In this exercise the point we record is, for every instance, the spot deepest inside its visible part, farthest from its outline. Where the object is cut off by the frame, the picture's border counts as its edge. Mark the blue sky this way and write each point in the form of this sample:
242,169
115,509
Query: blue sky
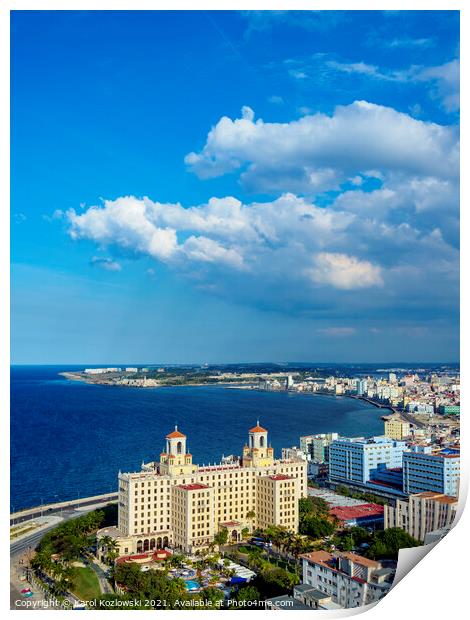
223,186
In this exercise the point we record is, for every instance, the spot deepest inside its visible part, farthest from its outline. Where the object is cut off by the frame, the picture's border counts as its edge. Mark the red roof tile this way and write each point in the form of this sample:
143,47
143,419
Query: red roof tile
175,434
346,513
193,487
258,429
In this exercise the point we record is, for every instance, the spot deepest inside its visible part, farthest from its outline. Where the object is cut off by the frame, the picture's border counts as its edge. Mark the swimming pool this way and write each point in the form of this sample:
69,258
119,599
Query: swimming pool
192,585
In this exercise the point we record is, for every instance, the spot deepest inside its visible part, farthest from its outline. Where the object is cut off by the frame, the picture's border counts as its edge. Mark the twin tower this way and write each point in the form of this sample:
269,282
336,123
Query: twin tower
177,461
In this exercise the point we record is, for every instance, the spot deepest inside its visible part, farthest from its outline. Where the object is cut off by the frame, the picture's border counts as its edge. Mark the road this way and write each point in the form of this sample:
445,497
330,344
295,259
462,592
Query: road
409,418
59,509
20,546
19,550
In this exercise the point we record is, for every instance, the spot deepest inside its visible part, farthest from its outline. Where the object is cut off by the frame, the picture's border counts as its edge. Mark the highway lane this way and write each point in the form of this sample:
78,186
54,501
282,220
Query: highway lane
20,546
42,511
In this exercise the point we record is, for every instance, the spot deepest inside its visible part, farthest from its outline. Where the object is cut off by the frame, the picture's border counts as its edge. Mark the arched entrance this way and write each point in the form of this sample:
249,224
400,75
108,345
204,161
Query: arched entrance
235,535
152,543
139,546
146,544
165,541
159,542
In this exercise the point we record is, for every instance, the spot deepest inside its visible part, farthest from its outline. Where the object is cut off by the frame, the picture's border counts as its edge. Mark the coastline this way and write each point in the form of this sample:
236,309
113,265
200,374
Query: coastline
73,376
241,385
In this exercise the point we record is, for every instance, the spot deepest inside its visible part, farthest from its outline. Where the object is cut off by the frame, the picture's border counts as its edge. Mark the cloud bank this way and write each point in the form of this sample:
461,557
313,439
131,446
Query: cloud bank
287,254
320,152
384,245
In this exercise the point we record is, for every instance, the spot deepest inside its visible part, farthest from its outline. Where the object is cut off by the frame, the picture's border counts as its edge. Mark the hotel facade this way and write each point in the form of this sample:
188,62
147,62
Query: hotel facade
176,503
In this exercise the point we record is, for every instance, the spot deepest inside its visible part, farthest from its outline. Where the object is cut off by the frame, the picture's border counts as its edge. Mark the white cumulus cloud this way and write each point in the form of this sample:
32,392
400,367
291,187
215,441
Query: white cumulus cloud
318,152
344,272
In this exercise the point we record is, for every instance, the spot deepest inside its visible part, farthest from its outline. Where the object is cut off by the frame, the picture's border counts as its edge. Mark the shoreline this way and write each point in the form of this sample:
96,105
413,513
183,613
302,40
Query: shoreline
248,385
75,377
231,385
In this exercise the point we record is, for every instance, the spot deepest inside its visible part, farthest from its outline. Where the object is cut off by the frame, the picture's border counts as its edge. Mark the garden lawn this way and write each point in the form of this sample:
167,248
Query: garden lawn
85,584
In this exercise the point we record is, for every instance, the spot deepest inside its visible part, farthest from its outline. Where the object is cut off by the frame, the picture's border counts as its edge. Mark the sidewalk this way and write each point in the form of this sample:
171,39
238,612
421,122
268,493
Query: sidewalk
100,570
39,600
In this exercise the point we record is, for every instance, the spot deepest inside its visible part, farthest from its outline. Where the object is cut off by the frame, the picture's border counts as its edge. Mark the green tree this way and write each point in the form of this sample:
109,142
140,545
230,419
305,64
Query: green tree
221,537
248,593
387,543
251,516
316,527
213,597
342,489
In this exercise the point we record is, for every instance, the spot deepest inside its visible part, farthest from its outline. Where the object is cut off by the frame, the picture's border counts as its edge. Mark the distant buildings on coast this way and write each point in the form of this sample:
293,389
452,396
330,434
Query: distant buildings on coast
429,394
112,370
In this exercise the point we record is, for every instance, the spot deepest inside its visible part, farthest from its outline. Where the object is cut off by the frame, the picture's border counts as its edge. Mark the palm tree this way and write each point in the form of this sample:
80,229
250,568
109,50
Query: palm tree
111,548
299,545
251,516
176,560
112,551
105,541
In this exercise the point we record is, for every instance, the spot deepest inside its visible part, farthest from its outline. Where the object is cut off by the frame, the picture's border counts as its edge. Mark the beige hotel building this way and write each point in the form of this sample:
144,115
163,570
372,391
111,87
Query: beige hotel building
175,503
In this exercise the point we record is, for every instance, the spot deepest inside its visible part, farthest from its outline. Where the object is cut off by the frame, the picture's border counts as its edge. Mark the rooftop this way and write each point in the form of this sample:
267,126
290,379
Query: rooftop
346,513
257,429
156,555
175,434
322,557
359,559
438,497
328,560
193,487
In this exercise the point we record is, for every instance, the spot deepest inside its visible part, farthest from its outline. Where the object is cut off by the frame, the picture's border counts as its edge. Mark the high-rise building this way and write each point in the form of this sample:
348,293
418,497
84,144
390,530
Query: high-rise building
431,471
421,513
176,503
396,428
317,446
362,386
355,460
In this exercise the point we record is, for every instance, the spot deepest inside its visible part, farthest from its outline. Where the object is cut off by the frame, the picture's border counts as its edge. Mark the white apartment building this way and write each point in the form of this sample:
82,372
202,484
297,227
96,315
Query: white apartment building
354,459
351,580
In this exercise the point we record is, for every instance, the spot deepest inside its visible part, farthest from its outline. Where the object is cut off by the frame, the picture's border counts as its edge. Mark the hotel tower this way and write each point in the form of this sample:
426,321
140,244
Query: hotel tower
175,503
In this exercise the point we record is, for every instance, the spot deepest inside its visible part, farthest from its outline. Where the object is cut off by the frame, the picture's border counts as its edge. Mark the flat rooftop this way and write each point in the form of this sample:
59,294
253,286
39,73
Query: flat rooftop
193,487
334,499
346,513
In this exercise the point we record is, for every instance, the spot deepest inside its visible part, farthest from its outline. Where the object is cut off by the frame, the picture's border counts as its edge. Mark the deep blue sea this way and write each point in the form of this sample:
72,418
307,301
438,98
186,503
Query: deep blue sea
70,439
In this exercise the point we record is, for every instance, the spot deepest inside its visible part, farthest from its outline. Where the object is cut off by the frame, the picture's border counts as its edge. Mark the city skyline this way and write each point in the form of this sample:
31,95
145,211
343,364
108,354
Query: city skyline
302,180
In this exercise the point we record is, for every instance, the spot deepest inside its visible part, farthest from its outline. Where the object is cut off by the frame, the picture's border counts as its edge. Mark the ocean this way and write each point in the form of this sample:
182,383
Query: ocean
69,439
